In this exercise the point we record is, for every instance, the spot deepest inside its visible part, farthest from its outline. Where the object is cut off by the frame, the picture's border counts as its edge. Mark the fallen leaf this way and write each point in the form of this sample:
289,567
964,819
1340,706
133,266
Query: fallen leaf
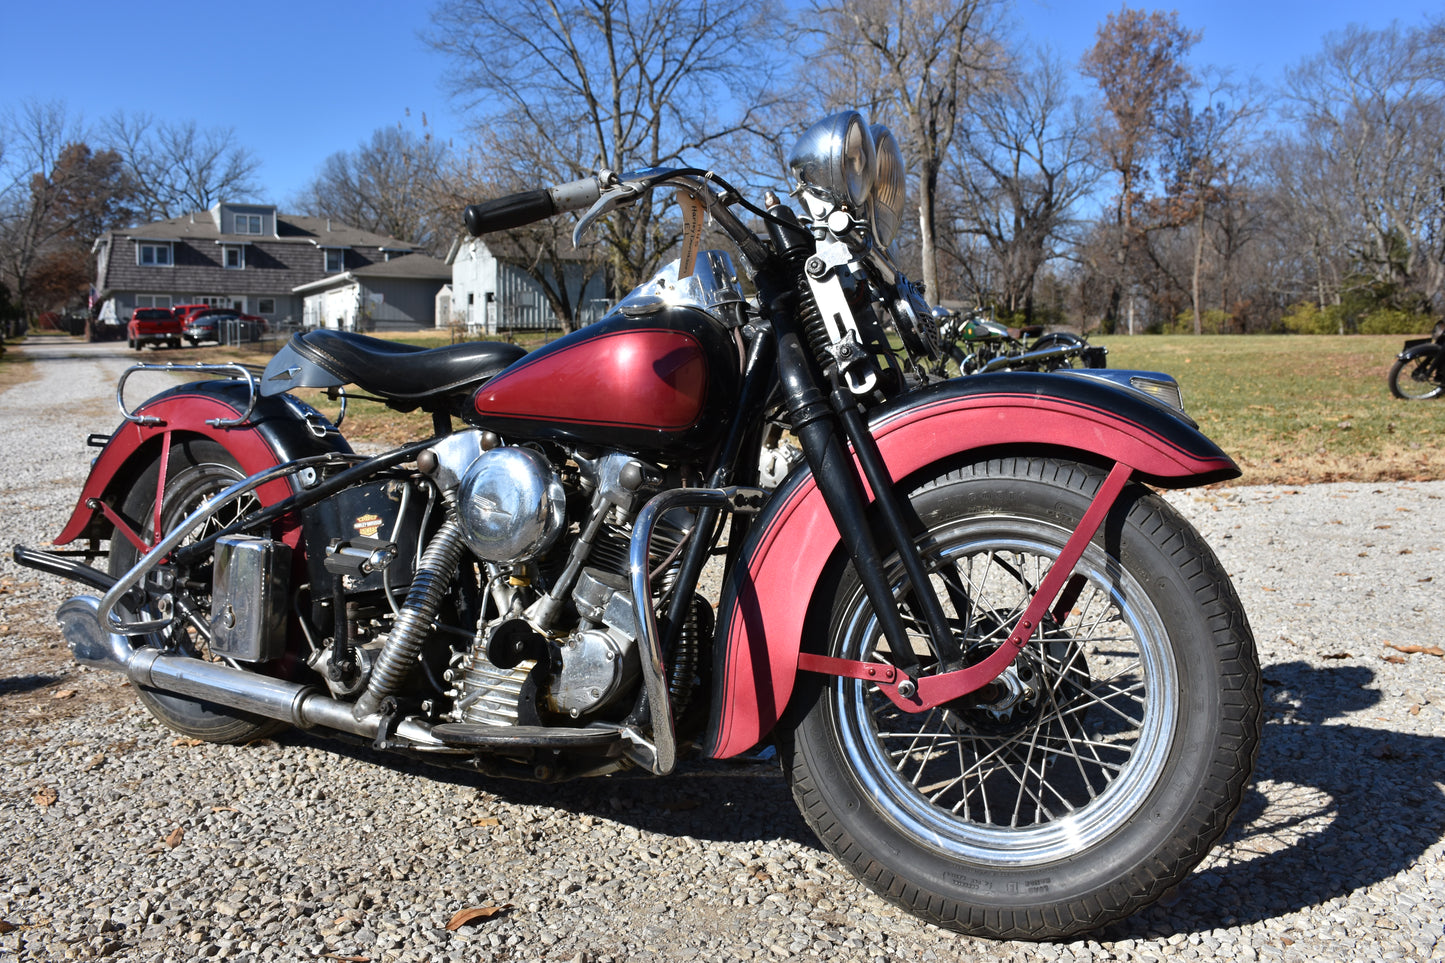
63,694
224,809
95,762
1396,659
1434,650
174,839
46,796
473,913
1266,588
1384,751
1414,710
186,742
7,927
487,821
1338,655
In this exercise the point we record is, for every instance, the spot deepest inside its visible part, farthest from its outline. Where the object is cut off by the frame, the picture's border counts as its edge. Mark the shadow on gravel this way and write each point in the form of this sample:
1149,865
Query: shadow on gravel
707,800
1334,807
16,684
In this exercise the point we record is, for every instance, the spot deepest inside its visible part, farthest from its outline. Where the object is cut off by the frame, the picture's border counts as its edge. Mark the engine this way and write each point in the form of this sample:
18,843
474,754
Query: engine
560,640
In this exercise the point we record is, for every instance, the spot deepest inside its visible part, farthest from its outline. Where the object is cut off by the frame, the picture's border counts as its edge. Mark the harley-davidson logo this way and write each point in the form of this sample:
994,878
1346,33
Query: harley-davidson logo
368,525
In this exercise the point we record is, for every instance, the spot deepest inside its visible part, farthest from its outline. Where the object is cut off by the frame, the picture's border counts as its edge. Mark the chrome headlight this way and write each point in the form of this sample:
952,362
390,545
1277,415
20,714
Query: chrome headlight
888,186
835,156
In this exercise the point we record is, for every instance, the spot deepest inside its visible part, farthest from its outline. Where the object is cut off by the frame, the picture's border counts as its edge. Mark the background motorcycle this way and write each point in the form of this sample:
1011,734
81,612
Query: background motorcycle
1010,688
1419,370
977,343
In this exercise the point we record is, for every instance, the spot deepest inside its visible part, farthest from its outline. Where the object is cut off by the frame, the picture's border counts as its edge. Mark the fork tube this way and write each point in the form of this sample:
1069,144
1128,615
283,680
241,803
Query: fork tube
896,525
816,426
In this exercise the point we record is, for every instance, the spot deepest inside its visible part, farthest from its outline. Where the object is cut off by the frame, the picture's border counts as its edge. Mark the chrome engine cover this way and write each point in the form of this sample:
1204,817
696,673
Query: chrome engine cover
511,505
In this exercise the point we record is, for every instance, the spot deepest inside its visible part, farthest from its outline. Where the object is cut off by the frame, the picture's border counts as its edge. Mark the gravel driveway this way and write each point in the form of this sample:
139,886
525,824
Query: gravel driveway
122,841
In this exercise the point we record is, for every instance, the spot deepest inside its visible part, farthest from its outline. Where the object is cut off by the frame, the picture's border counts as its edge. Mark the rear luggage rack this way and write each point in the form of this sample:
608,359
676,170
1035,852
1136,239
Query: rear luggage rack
233,370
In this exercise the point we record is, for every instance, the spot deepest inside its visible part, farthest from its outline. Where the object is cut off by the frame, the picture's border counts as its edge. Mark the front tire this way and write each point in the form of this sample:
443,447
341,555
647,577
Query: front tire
197,471
1095,773
1415,377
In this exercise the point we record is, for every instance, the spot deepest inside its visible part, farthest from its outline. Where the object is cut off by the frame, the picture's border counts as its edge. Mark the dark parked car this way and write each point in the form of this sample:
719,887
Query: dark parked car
222,325
152,326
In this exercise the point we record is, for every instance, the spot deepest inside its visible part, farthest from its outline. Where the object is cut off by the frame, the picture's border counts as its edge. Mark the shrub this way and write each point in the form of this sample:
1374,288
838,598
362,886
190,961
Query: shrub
1387,321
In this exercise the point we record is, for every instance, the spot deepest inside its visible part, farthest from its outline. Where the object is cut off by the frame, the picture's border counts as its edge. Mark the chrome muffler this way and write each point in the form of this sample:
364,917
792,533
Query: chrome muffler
303,706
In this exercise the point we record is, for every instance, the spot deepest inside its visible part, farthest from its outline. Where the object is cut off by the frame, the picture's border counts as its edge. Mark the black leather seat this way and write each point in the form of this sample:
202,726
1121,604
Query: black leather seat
412,377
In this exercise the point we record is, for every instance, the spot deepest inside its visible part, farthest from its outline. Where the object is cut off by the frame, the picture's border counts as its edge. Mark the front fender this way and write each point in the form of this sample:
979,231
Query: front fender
768,594
1415,349
277,432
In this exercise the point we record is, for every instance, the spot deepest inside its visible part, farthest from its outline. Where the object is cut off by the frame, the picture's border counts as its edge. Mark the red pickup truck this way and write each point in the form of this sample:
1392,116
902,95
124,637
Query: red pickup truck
152,326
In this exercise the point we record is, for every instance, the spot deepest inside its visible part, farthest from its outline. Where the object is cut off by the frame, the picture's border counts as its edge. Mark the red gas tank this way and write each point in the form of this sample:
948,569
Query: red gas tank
663,384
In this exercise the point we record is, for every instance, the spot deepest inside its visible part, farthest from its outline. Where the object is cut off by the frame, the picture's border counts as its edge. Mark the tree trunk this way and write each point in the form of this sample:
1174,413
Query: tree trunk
1198,261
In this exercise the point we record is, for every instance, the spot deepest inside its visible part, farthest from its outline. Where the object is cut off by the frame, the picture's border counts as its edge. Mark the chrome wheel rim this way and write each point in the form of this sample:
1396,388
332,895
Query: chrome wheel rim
1064,751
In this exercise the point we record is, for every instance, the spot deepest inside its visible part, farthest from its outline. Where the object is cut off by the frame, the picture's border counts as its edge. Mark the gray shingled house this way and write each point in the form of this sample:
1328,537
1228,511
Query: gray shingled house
398,292
243,256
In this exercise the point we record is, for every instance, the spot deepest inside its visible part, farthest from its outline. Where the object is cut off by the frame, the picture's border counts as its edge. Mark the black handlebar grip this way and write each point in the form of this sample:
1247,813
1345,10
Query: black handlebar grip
514,210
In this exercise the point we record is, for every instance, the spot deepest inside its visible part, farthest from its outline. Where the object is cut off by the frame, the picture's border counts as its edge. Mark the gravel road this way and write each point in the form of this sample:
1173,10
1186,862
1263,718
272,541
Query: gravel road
122,841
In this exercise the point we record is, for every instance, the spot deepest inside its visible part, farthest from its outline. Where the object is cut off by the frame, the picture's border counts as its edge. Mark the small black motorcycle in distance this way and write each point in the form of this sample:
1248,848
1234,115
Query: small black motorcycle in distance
1011,689
1419,370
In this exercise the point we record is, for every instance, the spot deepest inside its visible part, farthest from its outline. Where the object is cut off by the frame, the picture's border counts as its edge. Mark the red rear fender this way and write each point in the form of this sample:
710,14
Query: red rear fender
276,432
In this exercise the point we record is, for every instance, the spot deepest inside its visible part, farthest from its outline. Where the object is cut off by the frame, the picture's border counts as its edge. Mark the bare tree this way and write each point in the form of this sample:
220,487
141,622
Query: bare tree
1371,107
1201,144
914,64
1017,173
58,195
178,167
388,185
1138,64
560,88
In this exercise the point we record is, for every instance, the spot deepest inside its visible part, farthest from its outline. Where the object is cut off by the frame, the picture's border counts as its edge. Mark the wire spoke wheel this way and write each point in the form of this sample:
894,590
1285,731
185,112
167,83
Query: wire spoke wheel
1087,778
1059,751
1417,378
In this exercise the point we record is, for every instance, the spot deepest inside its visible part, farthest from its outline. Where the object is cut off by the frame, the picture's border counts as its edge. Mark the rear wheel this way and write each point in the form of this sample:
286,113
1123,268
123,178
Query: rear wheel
1095,772
198,470
1416,377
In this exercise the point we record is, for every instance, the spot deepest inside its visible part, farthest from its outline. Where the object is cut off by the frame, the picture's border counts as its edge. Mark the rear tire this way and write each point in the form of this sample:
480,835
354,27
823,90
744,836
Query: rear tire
1104,763
198,470
1413,378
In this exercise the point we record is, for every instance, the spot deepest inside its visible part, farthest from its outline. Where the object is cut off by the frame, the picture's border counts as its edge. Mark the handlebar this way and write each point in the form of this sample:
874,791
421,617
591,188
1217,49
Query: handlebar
527,207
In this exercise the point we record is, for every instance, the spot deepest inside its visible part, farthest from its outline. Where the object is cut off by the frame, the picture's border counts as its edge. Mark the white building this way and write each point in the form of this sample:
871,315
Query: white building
490,291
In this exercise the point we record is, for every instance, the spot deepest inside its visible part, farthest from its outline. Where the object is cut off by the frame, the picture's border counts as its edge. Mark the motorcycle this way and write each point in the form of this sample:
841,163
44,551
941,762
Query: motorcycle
1419,370
1009,687
977,343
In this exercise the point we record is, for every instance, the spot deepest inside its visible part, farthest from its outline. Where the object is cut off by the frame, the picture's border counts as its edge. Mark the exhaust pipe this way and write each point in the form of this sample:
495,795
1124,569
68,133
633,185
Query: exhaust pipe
302,706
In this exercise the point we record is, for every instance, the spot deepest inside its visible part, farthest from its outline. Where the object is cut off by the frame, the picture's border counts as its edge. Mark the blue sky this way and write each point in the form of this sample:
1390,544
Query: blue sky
301,80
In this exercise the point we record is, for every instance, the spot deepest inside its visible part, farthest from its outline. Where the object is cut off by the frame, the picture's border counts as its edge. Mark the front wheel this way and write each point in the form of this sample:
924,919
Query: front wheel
1416,375
1088,778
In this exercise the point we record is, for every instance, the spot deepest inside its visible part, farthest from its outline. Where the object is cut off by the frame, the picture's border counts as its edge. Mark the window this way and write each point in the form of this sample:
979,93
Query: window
335,260
248,223
153,300
154,255
233,256
265,305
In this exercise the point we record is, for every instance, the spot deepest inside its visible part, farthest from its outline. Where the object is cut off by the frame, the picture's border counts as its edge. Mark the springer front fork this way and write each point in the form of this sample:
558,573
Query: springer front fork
838,445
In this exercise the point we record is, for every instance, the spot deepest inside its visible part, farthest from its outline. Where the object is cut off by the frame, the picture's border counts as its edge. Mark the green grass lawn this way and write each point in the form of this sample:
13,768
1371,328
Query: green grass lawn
1298,408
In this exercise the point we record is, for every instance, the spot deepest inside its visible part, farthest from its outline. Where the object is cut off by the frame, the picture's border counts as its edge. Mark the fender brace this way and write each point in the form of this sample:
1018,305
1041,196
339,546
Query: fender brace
919,695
